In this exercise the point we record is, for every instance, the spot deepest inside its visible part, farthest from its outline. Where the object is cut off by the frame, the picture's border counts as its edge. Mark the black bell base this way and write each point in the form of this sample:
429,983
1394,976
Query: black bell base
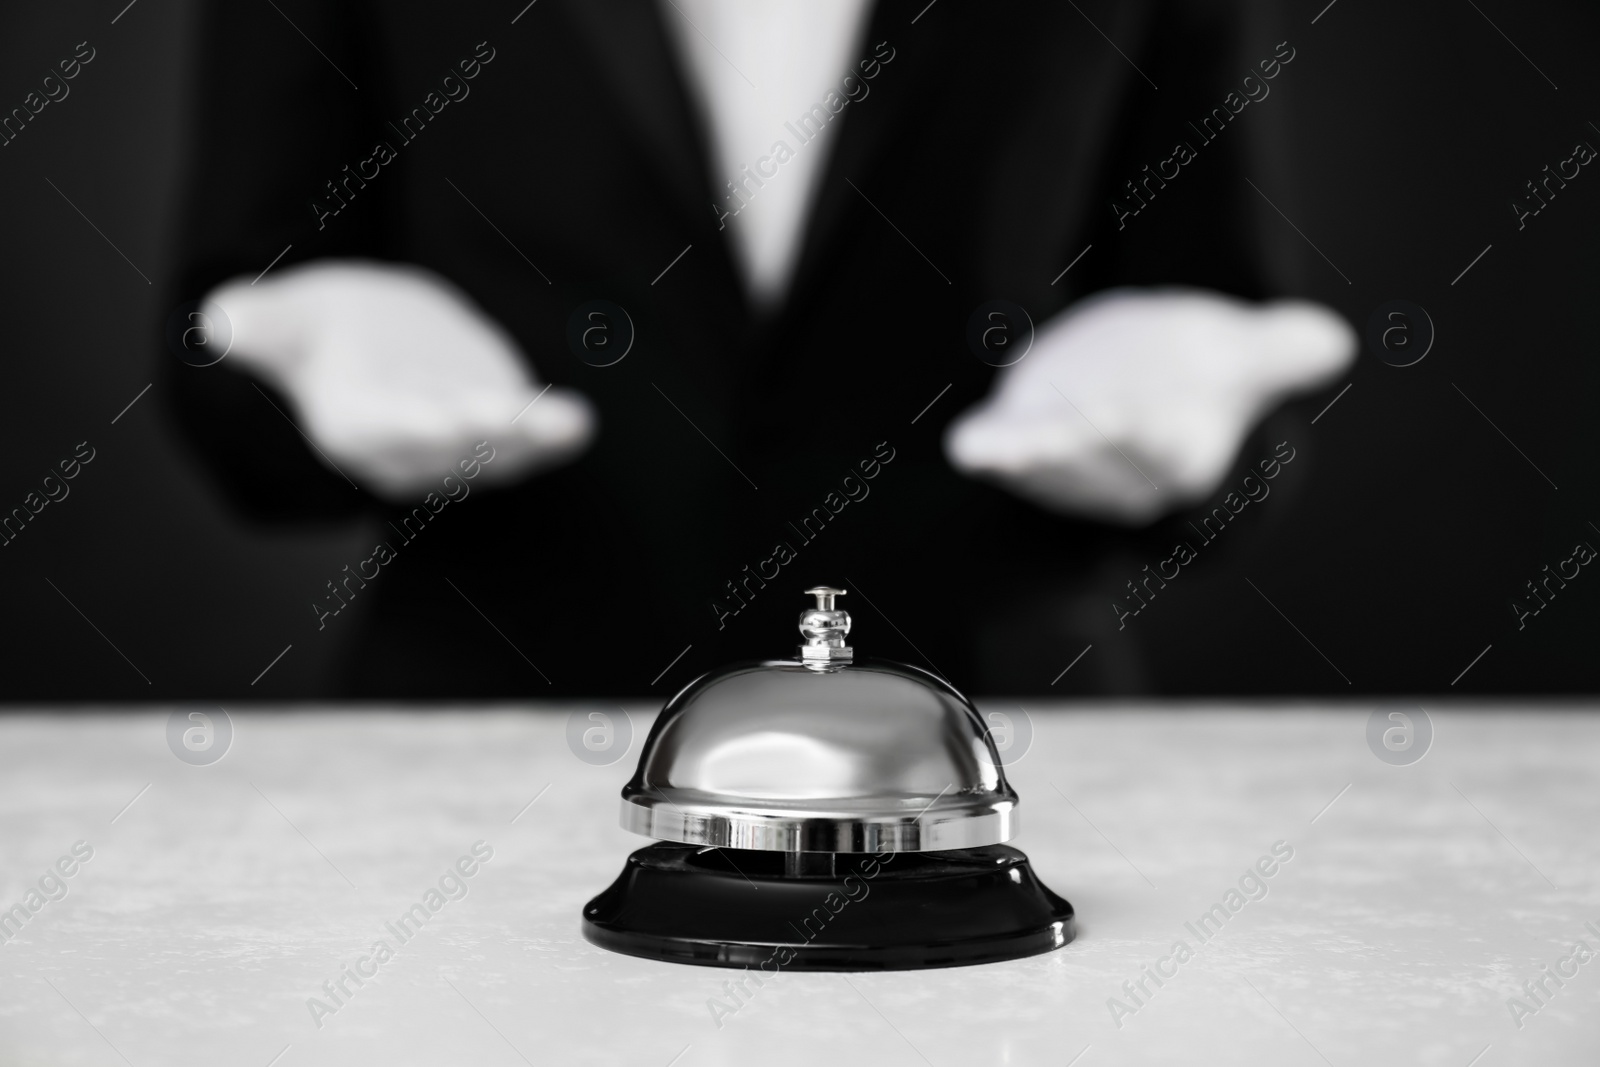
721,907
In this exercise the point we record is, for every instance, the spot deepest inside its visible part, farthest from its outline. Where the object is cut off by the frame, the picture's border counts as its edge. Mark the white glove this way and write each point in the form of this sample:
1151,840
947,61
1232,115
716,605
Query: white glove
1133,403
395,375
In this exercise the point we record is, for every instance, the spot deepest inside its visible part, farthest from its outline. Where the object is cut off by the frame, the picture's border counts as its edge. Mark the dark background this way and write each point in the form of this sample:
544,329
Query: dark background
1406,525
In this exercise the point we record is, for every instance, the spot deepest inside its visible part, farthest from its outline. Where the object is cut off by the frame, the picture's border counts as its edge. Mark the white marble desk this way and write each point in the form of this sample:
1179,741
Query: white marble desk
221,900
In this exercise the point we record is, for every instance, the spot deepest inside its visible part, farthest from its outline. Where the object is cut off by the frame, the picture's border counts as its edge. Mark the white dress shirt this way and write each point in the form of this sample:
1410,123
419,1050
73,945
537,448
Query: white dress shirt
752,66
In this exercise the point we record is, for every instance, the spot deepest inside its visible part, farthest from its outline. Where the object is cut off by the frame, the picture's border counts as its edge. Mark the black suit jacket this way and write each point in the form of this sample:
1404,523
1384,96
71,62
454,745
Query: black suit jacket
571,166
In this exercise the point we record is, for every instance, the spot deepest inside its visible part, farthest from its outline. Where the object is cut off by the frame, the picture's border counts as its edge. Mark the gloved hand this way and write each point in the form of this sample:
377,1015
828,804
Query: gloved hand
395,375
1133,403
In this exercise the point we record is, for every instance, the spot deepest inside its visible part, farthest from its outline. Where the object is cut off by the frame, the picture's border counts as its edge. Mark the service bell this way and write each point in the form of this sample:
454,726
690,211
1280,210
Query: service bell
827,812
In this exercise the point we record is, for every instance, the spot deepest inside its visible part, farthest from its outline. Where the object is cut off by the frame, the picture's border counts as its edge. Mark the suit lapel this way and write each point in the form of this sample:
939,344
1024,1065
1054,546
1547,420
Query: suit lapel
867,130
636,62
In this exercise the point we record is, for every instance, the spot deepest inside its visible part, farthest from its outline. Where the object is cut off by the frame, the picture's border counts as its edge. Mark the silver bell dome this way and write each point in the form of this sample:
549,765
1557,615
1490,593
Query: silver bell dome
822,753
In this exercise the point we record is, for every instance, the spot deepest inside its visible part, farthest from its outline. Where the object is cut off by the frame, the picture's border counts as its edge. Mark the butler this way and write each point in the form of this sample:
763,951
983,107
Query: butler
770,347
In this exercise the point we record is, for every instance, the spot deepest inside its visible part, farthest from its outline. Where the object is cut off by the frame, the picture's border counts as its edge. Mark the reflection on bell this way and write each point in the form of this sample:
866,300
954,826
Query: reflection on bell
824,813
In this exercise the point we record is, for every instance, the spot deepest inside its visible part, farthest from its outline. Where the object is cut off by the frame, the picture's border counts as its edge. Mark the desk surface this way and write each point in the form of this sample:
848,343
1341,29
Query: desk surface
220,901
